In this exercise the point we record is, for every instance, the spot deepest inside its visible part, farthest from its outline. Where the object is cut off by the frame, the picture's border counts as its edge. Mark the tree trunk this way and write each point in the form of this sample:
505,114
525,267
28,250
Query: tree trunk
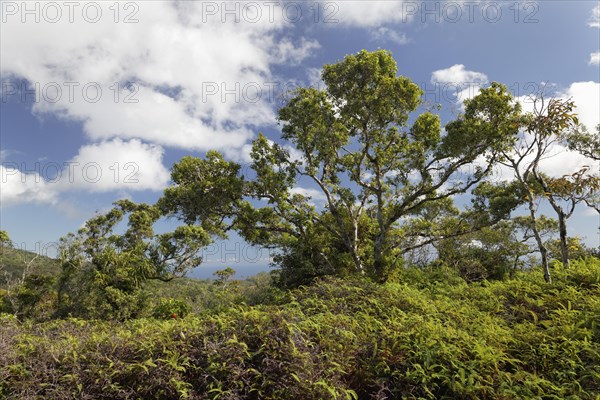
538,239
562,219
378,259
357,262
564,249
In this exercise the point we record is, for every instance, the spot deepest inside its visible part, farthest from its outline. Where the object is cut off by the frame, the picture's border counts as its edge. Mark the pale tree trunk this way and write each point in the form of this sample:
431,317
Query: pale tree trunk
355,255
564,249
538,239
357,262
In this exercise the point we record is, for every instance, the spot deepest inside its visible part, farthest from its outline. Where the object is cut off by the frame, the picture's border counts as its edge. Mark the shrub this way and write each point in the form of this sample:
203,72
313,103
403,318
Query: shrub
420,337
170,308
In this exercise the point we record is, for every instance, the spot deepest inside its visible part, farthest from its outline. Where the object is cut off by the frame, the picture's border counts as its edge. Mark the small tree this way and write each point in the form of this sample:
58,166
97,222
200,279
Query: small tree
223,277
550,125
104,271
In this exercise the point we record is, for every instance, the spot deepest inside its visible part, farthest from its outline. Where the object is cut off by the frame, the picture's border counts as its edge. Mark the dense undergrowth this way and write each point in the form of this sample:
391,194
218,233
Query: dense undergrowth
427,334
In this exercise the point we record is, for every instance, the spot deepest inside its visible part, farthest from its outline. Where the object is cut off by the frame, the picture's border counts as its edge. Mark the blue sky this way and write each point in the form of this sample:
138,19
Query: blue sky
99,99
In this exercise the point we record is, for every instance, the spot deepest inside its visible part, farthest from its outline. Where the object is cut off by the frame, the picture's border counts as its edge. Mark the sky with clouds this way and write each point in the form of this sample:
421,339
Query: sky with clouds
100,98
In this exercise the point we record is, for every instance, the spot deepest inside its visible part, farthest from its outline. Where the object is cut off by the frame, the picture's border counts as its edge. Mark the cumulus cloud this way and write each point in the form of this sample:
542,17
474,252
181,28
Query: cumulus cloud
561,161
586,96
4,154
458,74
102,167
369,13
116,164
20,187
594,58
286,51
164,79
143,77
459,81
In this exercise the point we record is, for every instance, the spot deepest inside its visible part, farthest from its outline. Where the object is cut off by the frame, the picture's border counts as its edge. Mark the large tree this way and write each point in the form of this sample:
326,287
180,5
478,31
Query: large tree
384,175
355,143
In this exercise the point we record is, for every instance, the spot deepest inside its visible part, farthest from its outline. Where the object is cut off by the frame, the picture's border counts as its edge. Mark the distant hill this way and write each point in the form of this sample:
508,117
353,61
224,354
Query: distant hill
13,262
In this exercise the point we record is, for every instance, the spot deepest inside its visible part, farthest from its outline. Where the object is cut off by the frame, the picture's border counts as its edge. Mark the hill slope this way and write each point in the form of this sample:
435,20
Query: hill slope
14,261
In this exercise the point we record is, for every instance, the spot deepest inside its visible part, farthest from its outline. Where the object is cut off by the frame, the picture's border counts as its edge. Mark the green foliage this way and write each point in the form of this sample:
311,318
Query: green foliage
33,298
584,142
426,334
380,176
386,179
14,262
356,324
5,239
104,272
170,308
577,250
223,276
27,283
204,192
490,253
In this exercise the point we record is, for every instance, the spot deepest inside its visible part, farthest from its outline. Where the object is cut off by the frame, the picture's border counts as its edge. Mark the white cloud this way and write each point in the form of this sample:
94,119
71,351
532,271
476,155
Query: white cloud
458,74
241,155
458,81
4,154
286,52
389,35
586,96
594,20
20,187
594,58
369,13
295,154
316,196
116,164
200,81
102,167
560,161
203,82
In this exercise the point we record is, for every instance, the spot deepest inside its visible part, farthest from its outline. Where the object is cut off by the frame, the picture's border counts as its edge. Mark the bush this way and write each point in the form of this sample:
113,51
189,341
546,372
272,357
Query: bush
419,337
170,308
